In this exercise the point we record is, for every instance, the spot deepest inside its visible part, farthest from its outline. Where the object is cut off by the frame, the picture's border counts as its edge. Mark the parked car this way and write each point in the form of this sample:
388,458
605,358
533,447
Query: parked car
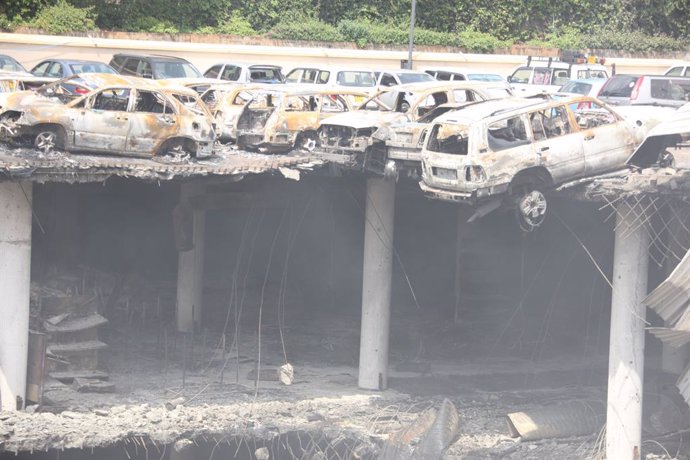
55,69
126,116
679,70
512,152
385,78
659,90
583,87
452,74
357,139
156,67
225,103
280,120
61,68
245,73
547,75
359,79
404,140
9,64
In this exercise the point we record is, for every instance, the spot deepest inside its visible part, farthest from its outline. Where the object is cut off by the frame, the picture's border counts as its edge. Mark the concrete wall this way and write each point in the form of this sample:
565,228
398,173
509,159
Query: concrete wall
30,49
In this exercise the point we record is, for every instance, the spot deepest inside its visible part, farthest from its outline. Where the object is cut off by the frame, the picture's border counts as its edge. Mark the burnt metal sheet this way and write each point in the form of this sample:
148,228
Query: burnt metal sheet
577,418
670,299
671,336
683,384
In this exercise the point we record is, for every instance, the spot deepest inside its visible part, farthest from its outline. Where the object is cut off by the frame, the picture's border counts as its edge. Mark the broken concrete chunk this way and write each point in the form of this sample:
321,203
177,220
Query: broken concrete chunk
262,453
286,374
173,403
93,386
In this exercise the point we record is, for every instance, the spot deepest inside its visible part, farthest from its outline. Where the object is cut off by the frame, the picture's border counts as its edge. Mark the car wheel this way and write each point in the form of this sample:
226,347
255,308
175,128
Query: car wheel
404,106
46,140
179,150
306,141
531,209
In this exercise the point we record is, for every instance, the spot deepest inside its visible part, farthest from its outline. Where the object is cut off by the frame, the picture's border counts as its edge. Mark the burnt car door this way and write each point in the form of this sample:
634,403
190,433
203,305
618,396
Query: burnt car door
152,120
101,122
608,139
557,143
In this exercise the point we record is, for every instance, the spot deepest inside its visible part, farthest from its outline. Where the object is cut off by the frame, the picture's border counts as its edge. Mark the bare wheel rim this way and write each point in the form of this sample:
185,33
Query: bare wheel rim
532,207
46,141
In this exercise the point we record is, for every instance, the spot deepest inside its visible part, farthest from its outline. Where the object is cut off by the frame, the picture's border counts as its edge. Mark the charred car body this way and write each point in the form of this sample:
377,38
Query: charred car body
357,139
126,115
517,149
226,103
280,120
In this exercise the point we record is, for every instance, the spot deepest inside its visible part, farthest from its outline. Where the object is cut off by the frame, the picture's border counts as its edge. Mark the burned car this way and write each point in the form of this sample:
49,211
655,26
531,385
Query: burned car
126,115
225,103
280,120
357,139
405,140
512,151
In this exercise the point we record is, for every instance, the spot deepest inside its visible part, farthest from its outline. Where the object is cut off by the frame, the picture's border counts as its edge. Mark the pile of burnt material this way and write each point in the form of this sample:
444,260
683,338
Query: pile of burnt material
68,313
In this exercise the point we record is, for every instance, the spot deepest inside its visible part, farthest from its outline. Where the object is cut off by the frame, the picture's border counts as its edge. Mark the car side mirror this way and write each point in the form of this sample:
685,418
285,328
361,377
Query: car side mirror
147,75
509,78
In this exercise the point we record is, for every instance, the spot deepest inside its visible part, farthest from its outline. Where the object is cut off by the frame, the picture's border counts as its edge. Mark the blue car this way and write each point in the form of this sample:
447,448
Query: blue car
9,64
62,68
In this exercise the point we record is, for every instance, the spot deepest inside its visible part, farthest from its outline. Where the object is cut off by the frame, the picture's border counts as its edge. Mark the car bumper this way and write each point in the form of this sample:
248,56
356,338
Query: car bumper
472,197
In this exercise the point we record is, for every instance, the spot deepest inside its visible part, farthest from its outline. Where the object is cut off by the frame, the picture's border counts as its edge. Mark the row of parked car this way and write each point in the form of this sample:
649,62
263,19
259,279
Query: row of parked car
468,137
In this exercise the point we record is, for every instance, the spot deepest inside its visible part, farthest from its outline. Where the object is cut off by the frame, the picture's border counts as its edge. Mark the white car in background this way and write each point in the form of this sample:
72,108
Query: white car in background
453,74
245,73
548,75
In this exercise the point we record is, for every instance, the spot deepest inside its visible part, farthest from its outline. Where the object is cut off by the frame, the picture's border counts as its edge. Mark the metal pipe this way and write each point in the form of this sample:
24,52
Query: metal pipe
413,15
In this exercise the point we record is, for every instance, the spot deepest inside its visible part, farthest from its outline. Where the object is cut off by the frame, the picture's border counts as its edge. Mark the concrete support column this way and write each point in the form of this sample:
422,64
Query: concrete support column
627,339
15,280
190,265
376,284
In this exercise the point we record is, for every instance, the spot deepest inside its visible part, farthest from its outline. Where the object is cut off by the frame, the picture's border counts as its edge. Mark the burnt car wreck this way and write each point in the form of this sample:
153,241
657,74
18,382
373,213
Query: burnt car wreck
125,115
358,139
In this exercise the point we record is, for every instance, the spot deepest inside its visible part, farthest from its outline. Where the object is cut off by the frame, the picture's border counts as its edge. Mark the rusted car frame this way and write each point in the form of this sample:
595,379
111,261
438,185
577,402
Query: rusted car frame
126,115
511,151
357,139
225,102
280,120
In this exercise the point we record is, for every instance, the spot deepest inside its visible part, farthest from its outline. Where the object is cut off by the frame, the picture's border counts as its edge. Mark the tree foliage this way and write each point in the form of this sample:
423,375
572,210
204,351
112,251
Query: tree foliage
628,24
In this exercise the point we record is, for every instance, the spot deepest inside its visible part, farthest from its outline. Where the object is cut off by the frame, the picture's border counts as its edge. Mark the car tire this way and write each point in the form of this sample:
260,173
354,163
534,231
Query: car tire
179,148
531,206
306,141
47,140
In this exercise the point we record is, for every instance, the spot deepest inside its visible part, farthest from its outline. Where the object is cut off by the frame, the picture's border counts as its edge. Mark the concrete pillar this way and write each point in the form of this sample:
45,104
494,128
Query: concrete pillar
626,349
190,266
376,284
15,279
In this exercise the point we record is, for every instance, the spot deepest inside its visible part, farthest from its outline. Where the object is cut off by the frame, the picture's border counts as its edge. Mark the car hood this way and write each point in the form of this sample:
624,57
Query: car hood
21,100
662,135
363,119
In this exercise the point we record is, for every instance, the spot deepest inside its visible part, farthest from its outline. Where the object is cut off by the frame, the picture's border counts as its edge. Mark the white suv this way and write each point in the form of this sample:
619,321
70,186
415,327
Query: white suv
510,151
546,75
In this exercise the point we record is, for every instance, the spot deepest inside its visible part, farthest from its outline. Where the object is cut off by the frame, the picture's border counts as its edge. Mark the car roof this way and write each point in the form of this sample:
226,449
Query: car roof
331,68
302,91
593,81
247,64
110,80
500,108
440,85
72,61
157,57
459,70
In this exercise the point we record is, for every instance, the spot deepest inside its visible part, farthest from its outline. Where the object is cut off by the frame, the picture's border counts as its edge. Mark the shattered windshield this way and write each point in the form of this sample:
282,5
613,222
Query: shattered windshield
447,138
376,103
